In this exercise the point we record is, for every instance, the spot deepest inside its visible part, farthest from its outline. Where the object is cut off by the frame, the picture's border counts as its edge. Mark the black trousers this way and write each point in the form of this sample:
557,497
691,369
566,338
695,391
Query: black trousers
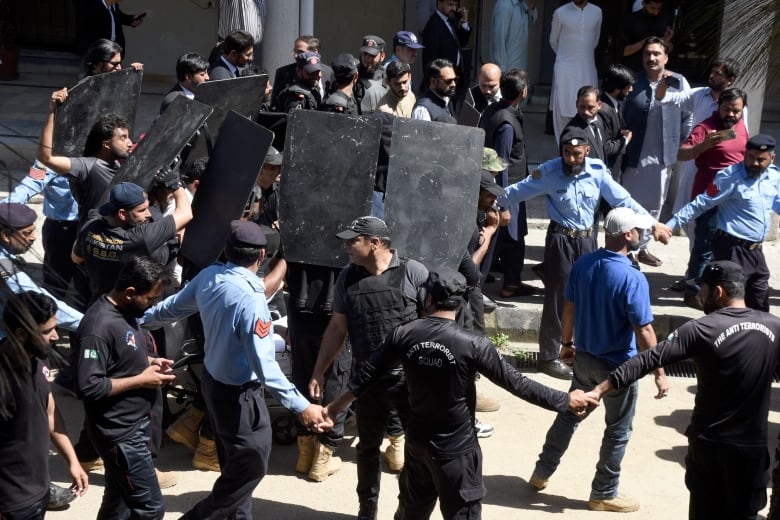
305,338
725,481
242,430
35,511
456,481
57,237
560,253
753,263
374,409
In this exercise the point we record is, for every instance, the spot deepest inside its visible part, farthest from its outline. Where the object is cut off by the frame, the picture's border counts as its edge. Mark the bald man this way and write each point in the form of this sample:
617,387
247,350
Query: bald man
486,91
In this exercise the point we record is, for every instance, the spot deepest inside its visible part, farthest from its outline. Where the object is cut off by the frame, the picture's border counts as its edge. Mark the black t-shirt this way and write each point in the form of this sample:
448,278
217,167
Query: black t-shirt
112,345
90,181
106,249
24,439
735,352
440,360
639,26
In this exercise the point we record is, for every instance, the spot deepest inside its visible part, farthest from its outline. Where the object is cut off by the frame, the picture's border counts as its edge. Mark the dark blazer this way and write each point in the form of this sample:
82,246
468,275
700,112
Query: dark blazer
219,70
170,96
440,43
93,21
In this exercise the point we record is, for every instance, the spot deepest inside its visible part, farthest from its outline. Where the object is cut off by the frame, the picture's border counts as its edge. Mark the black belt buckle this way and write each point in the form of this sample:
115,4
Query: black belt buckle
572,233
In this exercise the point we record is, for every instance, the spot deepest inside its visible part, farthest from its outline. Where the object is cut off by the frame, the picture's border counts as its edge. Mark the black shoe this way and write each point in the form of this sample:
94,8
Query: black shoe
678,286
59,498
367,512
555,368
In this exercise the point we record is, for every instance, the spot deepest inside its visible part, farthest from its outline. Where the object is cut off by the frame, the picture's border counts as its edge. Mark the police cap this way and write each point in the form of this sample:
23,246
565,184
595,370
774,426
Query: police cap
345,65
309,61
15,216
574,136
372,45
762,142
246,233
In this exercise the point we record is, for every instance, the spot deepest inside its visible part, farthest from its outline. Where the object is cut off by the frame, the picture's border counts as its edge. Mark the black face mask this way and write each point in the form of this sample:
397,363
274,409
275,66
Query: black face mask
572,171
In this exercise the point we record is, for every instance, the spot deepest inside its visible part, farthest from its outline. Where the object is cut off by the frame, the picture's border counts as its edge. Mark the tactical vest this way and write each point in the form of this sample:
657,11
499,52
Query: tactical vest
376,304
309,100
436,107
496,115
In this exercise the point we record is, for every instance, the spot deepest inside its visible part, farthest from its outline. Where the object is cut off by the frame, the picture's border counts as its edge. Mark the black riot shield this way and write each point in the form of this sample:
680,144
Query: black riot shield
241,95
224,188
91,98
169,134
432,189
327,182
275,122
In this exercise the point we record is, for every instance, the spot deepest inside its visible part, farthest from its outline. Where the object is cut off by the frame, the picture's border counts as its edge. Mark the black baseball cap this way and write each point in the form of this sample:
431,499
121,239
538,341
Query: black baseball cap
369,226
125,195
723,271
488,183
372,45
445,283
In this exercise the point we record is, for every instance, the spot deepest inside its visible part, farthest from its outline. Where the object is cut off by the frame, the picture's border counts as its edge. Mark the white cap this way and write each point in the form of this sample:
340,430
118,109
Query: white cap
620,220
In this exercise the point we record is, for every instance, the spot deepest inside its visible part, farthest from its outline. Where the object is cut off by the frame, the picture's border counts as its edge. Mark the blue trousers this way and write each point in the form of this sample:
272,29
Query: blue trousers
619,407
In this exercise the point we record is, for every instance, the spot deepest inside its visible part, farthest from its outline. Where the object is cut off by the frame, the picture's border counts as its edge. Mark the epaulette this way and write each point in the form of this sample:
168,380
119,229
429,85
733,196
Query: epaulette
536,174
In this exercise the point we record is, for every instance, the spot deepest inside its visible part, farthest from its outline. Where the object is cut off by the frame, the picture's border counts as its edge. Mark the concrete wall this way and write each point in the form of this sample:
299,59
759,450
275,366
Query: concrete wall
171,28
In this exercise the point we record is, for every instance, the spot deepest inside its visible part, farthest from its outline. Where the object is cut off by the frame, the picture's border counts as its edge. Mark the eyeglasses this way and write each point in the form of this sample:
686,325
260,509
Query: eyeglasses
448,80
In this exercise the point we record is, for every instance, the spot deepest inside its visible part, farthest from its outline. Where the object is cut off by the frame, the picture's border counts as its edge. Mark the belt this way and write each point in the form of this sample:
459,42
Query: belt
569,232
747,244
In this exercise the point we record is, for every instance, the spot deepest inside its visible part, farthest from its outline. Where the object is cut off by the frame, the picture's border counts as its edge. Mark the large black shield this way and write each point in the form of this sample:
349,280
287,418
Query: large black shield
169,134
225,187
92,97
327,182
241,95
432,189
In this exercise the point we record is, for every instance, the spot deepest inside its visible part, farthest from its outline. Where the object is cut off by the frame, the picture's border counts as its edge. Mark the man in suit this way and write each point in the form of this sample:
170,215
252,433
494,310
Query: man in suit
102,19
445,35
237,52
486,91
616,85
605,137
191,71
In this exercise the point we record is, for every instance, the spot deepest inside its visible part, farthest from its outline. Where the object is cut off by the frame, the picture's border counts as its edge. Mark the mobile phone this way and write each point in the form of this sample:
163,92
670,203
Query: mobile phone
139,17
672,82
727,134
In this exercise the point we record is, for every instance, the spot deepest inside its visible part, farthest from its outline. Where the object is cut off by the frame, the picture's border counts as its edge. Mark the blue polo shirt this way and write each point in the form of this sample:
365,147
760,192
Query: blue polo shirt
610,296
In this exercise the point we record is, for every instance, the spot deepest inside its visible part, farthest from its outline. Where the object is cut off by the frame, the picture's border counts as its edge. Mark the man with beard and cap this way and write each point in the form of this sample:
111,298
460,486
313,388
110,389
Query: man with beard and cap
373,294
29,418
304,92
745,194
371,76
437,104
125,230
572,185
714,144
735,350
239,364
263,202
342,100
90,176
17,234
119,379
607,310
441,360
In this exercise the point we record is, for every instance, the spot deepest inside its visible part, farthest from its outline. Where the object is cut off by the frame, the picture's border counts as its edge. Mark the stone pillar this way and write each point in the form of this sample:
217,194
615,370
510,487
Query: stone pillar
307,17
281,29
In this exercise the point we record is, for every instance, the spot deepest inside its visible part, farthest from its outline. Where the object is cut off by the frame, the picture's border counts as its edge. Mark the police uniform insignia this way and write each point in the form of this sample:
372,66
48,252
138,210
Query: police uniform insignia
712,190
300,96
262,328
37,173
536,174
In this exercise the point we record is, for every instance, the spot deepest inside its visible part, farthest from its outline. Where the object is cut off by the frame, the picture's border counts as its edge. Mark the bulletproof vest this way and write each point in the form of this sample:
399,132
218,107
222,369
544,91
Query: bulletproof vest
496,115
308,99
376,304
339,103
437,108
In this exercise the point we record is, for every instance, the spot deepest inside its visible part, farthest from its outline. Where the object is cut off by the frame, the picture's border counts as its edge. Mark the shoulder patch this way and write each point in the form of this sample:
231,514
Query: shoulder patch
37,173
262,328
712,190
536,174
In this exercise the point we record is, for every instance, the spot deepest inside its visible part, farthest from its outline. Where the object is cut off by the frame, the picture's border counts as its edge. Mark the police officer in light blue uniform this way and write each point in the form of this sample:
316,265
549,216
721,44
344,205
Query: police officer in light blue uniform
239,361
60,227
572,185
17,234
745,194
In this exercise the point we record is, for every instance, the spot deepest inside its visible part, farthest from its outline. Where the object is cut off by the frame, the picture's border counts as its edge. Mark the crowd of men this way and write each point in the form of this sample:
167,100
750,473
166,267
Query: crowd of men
403,340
